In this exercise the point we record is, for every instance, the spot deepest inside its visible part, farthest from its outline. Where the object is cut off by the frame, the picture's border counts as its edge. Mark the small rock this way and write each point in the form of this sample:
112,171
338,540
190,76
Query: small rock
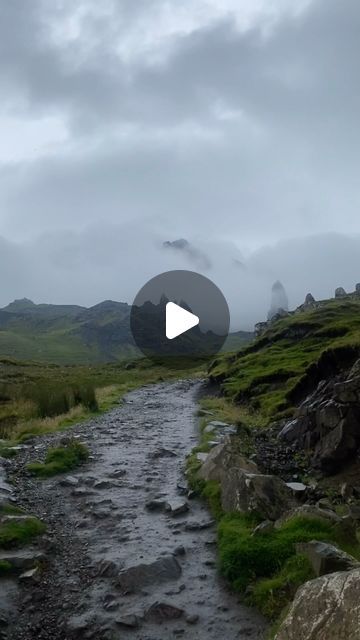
29,575
296,487
103,484
192,619
131,621
182,489
120,473
160,611
69,481
156,505
176,507
162,453
194,525
179,551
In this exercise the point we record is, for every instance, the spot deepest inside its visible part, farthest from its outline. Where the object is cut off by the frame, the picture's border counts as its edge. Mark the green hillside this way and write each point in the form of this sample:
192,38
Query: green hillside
71,334
66,334
279,368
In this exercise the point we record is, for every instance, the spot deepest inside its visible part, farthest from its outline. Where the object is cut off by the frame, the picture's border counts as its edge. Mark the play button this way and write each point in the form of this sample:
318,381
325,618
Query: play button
179,315
178,320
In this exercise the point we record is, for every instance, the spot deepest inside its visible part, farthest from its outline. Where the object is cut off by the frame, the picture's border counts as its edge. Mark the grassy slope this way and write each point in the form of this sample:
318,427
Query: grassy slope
271,373
263,382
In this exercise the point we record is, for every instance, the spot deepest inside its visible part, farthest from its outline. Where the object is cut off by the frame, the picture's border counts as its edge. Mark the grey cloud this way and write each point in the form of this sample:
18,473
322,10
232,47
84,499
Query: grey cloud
108,262
150,158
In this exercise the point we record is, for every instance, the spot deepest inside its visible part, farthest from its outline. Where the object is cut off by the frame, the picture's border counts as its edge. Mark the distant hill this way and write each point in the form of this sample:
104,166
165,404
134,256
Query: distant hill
72,334
66,334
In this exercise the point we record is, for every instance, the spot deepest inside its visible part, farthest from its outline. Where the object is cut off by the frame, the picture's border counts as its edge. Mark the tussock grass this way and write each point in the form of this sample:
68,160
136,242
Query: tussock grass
60,459
36,399
19,533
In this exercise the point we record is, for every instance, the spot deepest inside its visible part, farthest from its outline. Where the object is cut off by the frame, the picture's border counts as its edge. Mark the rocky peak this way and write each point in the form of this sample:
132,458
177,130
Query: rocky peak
279,300
340,292
309,299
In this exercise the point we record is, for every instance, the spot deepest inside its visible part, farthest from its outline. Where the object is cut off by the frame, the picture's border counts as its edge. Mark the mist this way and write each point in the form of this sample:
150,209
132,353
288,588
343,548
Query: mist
108,263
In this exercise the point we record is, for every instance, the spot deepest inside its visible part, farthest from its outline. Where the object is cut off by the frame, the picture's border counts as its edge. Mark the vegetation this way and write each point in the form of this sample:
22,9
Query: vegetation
60,459
20,532
5,568
70,334
263,567
274,371
267,562
36,399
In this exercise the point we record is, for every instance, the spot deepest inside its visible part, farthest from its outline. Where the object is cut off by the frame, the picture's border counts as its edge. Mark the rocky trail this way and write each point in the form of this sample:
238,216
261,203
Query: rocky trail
127,553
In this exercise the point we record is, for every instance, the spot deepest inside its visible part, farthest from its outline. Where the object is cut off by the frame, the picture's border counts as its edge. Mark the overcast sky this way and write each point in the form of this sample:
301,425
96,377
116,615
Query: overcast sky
231,123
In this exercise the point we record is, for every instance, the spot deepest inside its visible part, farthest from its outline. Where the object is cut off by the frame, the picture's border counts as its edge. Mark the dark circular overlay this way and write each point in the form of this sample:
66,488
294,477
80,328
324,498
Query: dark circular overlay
194,293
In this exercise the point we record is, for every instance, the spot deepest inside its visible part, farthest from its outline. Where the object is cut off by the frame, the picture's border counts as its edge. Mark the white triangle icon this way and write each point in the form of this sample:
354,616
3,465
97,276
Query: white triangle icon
178,320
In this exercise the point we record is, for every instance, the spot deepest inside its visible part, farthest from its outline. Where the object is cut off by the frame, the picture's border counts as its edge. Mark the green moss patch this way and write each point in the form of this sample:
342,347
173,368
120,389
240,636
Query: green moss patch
60,459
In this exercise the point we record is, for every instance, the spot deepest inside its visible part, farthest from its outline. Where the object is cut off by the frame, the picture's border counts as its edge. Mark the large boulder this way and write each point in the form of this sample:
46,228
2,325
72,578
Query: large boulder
134,579
222,458
327,608
266,495
326,558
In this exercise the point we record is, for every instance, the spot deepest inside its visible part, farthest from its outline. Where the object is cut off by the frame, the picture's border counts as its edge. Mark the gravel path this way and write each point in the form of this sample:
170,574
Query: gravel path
128,554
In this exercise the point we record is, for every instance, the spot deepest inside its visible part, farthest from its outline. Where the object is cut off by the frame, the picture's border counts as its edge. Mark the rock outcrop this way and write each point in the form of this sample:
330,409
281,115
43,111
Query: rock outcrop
279,301
327,608
340,292
327,423
309,300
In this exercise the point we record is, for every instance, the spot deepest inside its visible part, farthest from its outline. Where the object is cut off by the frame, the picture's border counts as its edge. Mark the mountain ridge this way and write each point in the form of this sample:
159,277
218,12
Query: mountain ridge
73,334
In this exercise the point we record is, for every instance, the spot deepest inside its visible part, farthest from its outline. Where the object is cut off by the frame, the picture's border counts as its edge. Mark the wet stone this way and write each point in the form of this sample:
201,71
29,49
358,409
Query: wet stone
161,611
177,507
156,505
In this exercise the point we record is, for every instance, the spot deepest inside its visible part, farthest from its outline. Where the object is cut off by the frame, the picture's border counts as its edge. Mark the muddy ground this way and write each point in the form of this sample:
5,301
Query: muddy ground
117,563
